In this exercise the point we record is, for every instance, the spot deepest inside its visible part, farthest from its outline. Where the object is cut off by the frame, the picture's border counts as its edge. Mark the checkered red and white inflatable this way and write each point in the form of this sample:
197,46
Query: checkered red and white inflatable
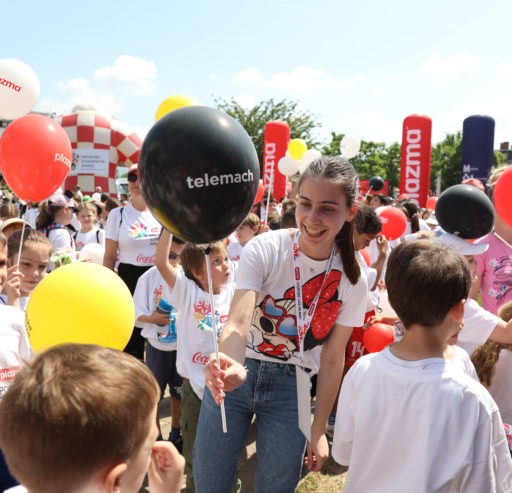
89,129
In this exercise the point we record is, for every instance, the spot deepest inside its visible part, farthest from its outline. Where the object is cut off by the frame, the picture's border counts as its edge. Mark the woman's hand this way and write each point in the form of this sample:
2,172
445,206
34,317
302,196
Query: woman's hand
223,377
317,450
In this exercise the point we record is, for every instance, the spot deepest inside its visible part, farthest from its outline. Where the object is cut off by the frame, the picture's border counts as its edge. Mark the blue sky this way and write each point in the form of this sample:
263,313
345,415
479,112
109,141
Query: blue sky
360,66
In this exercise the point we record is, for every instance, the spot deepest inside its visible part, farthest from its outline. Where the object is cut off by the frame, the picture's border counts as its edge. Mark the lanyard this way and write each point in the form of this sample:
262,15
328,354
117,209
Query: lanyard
304,319
502,239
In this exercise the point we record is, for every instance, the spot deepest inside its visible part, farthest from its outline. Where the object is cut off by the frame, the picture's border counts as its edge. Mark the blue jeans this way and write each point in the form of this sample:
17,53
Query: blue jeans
270,392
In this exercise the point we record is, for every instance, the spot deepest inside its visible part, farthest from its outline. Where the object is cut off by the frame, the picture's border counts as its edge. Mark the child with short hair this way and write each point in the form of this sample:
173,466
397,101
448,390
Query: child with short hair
89,231
438,429
245,232
156,328
187,290
81,417
33,262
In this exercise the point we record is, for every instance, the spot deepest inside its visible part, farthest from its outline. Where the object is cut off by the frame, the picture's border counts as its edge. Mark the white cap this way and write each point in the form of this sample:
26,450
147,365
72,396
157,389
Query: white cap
463,246
432,220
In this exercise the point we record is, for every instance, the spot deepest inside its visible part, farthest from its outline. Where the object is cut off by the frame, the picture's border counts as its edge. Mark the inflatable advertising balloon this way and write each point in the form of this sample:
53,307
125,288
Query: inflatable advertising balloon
394,221
477,147
349,146
465,211
81,302
19,89
199,173
35,157
376,183
378,336
503,196
415,158
288,166
173,103
100,143
431,203
275,143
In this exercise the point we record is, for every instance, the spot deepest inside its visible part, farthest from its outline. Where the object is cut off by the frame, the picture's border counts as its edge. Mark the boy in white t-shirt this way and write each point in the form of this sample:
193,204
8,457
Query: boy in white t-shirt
15,349
187,291
408,420
160,331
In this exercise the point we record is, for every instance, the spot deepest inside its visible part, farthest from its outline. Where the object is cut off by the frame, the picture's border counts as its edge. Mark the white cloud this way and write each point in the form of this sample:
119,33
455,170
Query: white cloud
140,131
129,74
449,67
504,71
299,80
245,100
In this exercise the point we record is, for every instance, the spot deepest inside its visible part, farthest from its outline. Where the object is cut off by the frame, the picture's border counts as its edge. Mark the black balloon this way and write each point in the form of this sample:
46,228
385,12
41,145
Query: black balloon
376,183
199,173
465,211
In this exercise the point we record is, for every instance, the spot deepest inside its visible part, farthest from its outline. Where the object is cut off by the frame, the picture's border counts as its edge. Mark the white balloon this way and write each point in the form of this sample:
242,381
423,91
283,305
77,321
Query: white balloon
19,90
309,156
94,252
288,166
349,146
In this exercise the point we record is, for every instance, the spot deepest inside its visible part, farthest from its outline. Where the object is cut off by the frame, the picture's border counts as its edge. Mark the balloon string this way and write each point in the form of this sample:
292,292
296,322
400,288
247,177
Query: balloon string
369,190
21,243
214,327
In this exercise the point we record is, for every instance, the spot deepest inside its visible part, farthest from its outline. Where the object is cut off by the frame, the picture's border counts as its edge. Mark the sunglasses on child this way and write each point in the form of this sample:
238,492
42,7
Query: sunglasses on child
173,256
132,177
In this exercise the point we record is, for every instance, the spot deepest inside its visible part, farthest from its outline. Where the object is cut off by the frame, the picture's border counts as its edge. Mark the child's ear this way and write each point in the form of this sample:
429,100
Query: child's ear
111,480
353,211
458,310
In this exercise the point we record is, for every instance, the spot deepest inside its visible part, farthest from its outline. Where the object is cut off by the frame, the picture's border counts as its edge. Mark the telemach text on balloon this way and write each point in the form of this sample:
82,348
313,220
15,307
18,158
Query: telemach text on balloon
215,180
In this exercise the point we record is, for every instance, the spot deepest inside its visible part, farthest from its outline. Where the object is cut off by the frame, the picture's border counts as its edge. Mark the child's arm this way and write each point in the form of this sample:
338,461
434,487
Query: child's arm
165,469
167,271
378,265
12,286
155,318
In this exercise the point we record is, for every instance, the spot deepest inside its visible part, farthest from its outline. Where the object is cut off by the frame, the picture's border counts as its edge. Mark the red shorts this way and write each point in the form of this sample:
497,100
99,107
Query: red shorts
355,348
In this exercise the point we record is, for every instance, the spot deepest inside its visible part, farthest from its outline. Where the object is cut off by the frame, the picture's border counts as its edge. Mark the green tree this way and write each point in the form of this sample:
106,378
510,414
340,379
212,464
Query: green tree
374,158
302,123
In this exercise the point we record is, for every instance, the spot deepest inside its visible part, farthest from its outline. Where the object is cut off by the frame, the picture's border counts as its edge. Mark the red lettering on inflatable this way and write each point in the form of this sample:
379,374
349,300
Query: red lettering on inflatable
7,374
415,158
277,135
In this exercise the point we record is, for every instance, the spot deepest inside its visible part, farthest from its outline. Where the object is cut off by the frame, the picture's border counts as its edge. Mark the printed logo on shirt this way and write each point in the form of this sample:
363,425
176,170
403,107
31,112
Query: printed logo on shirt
140,231
274,324
503,278
203,315
200,358
8,374
145,259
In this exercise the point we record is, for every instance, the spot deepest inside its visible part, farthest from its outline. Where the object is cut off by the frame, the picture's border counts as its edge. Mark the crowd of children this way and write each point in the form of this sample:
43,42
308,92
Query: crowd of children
414,417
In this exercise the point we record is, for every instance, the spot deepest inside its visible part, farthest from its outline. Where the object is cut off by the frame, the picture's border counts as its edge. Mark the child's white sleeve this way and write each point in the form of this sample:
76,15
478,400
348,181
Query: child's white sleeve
344,427
142,299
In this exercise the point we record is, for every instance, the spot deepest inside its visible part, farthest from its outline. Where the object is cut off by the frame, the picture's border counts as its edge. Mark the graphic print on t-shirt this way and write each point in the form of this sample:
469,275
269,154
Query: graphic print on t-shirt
203,315
140,231
503,274
276,324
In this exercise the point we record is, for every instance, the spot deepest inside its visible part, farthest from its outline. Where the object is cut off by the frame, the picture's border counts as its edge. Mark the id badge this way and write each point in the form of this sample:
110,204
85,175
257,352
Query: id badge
304,402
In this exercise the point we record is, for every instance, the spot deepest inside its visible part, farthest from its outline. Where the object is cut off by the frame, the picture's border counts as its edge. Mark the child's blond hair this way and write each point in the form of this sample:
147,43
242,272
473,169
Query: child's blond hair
505,312
485,358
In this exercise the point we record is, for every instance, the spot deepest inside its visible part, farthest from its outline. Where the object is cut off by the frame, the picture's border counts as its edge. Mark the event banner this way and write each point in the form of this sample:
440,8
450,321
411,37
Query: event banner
277,135
415,160
477,147
89,161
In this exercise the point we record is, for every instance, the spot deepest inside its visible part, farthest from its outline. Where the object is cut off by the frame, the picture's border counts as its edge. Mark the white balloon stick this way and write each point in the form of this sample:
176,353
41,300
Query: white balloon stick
21,243
269,192
214,328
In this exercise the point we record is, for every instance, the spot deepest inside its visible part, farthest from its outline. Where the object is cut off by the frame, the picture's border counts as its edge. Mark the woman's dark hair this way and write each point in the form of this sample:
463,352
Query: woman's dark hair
339,171
412,212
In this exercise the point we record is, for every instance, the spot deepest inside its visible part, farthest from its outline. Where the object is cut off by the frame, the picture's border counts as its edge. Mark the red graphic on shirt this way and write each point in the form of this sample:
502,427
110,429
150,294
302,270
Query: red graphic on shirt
274,325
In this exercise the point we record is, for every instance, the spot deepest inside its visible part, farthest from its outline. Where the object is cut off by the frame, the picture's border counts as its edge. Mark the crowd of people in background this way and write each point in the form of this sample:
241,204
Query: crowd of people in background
451,310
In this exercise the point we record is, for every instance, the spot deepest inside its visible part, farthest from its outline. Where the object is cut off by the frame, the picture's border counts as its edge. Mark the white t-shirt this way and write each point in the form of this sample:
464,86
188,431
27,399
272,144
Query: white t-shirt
96,235
478,326
235,250
15,349
31,216
137,236
23,301
418,426
147,295
61,238
266,266
194,325
501,385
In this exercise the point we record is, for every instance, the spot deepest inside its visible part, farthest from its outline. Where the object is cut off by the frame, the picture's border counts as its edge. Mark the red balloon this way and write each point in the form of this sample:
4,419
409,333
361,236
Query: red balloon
35,157
403,196
378,336
394,222
431,203
366,255
503,196
259,195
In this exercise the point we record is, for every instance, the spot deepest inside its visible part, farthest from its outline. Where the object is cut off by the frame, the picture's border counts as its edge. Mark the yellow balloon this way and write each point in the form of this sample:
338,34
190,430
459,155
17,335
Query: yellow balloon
81,302
173,103
297,148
